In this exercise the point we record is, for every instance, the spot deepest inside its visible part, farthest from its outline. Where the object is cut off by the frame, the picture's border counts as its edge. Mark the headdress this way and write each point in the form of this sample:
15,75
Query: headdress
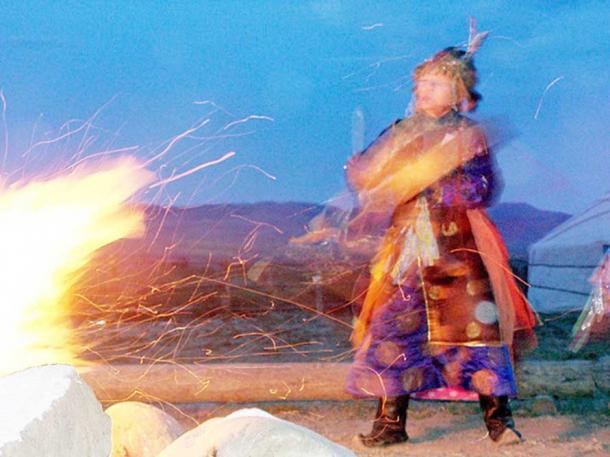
457,63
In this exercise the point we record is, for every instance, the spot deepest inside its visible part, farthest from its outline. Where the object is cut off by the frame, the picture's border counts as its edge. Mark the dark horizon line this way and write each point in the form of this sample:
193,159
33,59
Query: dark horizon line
318,205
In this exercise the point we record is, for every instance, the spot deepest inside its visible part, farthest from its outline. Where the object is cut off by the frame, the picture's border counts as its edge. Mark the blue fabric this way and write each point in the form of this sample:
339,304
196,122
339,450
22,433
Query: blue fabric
470,186
399,360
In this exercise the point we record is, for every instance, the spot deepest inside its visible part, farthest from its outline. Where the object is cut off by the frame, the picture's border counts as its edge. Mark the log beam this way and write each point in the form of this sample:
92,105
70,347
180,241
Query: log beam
242,383
237,383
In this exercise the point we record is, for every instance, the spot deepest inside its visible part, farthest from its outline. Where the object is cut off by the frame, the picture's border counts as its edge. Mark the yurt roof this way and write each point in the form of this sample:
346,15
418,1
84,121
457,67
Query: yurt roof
590,226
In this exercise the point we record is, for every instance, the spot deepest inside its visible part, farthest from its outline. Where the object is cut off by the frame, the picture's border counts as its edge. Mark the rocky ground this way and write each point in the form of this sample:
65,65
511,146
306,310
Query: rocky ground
440,429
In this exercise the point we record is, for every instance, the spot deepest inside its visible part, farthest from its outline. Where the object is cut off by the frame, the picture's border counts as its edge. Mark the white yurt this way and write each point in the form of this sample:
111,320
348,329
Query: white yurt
561,263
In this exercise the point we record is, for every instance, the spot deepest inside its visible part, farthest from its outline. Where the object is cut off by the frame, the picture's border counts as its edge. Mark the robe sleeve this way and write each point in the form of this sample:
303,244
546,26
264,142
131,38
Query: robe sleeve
362,166
475,184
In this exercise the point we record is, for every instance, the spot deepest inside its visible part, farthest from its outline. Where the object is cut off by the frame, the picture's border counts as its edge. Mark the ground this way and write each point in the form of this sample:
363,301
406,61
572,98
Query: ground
245,325
438,429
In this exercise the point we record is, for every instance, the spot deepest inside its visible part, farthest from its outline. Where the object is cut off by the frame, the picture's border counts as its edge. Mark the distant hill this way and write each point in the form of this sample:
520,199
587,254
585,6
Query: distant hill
242,230
226,230
522,224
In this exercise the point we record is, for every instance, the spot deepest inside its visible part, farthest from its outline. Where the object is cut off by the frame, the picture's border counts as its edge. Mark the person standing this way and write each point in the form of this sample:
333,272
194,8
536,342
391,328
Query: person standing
442,307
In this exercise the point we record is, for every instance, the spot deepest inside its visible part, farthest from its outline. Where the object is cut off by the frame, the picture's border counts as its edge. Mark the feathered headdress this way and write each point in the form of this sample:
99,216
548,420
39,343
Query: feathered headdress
475,40
457,63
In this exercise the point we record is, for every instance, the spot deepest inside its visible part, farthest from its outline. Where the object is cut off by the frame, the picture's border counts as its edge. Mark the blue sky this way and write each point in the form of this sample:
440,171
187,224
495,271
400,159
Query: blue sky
310,66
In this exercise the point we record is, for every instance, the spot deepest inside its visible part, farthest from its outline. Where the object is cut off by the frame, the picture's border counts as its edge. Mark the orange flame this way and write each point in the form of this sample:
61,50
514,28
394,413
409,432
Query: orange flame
48,232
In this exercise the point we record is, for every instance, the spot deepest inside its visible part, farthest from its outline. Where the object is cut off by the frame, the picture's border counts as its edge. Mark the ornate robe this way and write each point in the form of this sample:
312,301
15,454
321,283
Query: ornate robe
441,309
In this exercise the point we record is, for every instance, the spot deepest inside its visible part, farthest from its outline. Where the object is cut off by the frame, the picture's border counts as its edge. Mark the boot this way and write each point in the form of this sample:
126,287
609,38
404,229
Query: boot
499,420
390,423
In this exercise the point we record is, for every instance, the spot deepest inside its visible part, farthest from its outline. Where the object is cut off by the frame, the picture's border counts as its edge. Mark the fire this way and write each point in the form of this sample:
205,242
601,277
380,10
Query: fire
48,231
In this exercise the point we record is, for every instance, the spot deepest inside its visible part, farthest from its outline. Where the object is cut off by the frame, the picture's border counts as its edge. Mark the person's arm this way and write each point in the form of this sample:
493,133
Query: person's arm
476,186
363,168
411,174
471,185
479,184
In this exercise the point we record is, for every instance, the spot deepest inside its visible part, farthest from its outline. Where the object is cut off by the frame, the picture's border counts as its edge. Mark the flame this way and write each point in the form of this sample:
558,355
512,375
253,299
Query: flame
48,232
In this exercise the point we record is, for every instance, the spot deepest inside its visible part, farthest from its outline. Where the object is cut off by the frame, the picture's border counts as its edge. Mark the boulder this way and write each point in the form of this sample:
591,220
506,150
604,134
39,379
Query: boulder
543,405
253,433
49,411
141,430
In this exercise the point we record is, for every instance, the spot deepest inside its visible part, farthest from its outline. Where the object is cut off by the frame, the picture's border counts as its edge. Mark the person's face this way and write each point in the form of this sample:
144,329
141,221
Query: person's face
435,94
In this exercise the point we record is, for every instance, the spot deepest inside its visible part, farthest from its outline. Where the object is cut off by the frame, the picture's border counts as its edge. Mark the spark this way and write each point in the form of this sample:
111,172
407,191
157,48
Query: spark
83,127
4,129
551,84
507,38
199,167
260,170
213,104
372,26
175,140
104,154
374,66
246,119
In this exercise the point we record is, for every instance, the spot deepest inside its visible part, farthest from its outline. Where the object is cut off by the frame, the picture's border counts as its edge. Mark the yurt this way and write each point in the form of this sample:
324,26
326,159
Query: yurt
561,263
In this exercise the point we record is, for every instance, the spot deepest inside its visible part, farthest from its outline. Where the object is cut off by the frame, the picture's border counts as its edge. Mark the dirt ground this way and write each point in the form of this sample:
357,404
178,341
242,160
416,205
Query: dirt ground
437,429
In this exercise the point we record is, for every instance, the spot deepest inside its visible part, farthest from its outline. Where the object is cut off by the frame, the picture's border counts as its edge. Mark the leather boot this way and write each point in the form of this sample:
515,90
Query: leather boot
390,423
499,420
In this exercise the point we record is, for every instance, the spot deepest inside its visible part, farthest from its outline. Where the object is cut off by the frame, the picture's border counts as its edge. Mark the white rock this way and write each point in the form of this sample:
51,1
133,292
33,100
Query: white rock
49,411
253,433
141,430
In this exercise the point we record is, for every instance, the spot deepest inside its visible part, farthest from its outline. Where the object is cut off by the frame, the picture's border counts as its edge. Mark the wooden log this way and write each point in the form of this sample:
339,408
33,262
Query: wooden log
218,382
242,383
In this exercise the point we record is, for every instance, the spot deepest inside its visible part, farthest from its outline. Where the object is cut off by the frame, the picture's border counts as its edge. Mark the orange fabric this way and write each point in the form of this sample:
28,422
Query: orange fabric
515,312
378,292
408,171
